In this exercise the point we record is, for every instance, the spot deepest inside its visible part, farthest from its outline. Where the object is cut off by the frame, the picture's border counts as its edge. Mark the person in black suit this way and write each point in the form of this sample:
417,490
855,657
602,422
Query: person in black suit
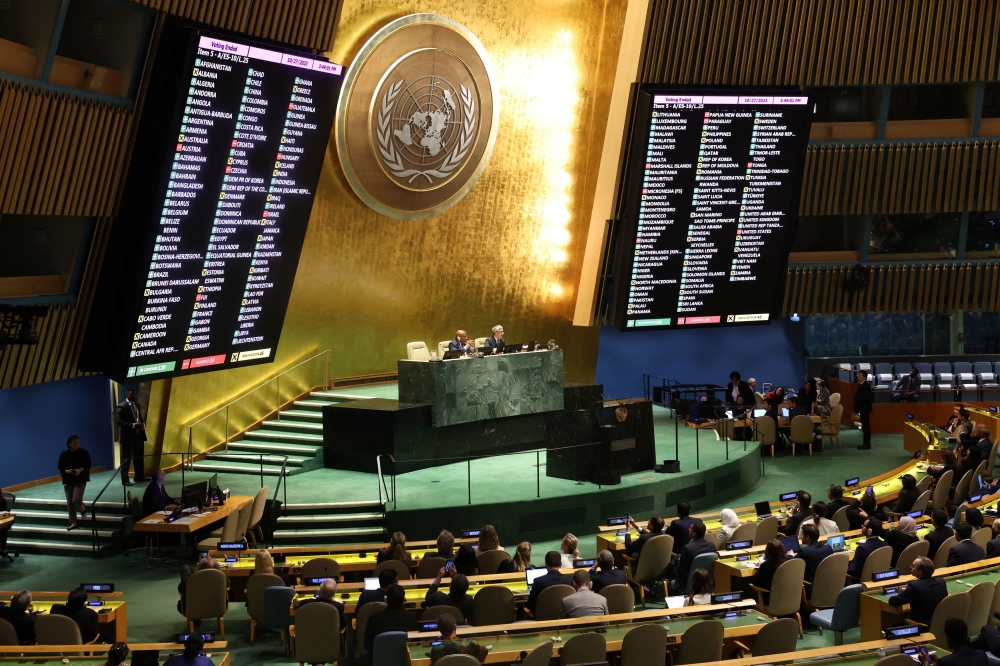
799,407
906,389
922,594
21,614
604,573
940,533
386,579
907,495
993,547
680,526
553,559
962,654
774,557
5,531
978,440
653,528
799,512
964,552
496,340
461,342
76,609
327,595
873,530
812,551
393,618
863,407
457,595
156,497
737,388
953,420
835,494
131,437
680,567
857,514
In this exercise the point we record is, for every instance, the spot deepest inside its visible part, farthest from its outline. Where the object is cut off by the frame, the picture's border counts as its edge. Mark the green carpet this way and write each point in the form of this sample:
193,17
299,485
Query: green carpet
151,593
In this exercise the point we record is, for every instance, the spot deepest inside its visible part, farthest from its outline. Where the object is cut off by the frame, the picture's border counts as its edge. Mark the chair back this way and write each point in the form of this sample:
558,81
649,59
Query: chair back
205,595
57,630
490,561
320,567
361,621
840,517
895,660
829,581
277,601
980,469
583,649
429,567
443,348
982,537
777,637
704,561
954,605
726,429
402,569
417,351
434,612
655,557
458,660
758,399
642,642
941,556
389,649
980,603
922,501
940,497
256,585
494,604
541,655
924,484
996,604
767,529
834,399
802,430
962,489
317,634
230,528
879,559
701,642
745,532
918,548
244,521
549,602
991,462
766,430
135,509
620,598
786,588
833,421
847,610
8,635
258,508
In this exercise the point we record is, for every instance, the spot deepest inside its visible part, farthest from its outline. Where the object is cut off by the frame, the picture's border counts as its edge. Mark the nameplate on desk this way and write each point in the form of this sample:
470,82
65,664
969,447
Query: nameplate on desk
207,638
727,598
319,581
993,408
852,482
232,545
623,444
620,520
739,545
429,626
787,497
469,534
974,499
915,514
583,564
98,587
885,575
901,632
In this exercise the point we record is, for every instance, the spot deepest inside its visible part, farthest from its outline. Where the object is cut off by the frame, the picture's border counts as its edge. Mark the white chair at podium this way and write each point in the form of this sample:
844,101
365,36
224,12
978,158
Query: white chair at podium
417,351
443,347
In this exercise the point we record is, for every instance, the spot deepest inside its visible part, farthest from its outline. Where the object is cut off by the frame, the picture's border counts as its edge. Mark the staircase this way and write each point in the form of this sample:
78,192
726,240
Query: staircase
330,523
297,432
41,527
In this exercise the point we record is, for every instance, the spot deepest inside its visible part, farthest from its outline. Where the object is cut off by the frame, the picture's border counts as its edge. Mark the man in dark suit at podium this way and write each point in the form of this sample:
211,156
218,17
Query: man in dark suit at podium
460,343
131,436
496,340
156,498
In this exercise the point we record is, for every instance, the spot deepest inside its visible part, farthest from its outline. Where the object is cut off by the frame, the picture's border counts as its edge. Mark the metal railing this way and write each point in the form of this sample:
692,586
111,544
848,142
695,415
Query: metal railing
236,416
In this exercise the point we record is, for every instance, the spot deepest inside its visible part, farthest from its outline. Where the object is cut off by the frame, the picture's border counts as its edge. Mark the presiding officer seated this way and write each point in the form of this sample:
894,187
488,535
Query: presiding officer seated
461,342
495,340
156,498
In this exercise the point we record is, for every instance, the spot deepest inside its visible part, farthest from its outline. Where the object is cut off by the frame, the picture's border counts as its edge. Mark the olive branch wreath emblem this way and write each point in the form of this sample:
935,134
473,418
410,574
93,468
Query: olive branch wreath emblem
394,160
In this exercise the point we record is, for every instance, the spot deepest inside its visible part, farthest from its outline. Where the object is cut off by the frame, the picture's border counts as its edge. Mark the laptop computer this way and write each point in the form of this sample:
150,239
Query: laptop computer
791,543
514,348
836,543
763,509
453,353
531,574
784,412
757,413
371,583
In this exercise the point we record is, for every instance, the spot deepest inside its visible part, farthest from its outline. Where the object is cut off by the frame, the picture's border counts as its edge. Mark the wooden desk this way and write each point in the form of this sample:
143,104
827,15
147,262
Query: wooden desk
190,524
320,551
981,414
6,521
112,620
211,651
508,645
877,614
854,654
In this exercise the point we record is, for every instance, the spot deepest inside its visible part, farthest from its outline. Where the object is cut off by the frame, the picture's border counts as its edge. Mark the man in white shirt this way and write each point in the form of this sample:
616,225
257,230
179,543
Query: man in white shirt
583,603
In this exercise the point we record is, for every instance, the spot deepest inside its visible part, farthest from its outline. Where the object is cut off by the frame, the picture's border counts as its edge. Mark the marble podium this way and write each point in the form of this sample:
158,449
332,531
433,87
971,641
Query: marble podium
465,390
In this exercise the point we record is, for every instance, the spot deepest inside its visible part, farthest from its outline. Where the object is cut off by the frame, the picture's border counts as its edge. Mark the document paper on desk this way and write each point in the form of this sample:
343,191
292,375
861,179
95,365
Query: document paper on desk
187,520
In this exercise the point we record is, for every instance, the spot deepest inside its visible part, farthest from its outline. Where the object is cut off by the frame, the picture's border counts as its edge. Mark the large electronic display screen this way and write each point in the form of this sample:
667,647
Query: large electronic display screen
218,198
711,197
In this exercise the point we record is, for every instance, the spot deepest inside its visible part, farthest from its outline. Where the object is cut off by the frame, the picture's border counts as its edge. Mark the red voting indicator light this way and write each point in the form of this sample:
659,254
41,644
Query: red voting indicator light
180,147
218,359
234,143
185,364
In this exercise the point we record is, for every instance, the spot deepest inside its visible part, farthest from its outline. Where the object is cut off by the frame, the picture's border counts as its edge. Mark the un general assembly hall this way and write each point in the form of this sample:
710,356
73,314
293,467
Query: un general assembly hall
514,332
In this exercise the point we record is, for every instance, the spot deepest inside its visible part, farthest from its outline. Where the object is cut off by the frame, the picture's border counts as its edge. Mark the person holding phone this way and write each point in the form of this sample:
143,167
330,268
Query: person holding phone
457,595
74,467
957,634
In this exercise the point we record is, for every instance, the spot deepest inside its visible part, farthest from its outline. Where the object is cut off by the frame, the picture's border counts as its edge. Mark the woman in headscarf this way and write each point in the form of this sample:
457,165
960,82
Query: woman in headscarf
730,521
901,537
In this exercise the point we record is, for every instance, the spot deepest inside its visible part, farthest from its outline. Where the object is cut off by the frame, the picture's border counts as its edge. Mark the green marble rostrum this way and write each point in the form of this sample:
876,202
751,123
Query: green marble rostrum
464,390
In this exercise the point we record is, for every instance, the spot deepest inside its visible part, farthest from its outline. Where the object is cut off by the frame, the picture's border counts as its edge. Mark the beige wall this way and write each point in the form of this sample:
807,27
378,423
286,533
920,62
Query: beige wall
508,253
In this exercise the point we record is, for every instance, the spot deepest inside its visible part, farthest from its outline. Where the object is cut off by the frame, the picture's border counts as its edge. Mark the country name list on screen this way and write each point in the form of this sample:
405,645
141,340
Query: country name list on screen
712,194
250,145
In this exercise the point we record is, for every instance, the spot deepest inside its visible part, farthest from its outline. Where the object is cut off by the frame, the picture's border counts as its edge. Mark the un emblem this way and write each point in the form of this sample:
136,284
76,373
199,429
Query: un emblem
418,117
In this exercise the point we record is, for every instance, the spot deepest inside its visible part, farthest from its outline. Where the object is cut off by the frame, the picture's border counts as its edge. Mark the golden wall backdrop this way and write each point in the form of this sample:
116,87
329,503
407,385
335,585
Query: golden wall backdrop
508,253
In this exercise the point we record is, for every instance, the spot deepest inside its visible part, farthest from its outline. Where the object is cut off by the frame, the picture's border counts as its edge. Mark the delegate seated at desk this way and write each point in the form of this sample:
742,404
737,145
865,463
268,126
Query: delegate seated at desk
461,342
156,498
924,593
495,340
